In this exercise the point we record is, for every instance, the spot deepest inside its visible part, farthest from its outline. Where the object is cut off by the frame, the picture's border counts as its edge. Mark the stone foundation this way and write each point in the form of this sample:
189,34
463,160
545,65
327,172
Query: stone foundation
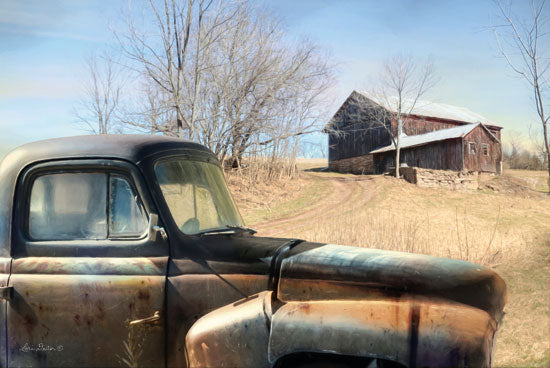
429,178
356,165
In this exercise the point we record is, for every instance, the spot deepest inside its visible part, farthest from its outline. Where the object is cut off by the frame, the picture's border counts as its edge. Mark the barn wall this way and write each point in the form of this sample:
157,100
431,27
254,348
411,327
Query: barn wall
478,161
357,135
445,155
357,139
419,125
495,131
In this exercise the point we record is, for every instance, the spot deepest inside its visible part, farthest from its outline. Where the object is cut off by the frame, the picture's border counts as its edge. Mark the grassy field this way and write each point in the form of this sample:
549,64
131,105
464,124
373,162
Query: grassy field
505,225
537,180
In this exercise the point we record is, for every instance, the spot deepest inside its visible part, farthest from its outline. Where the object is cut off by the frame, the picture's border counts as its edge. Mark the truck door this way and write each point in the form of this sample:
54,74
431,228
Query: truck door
88,278
5,294
206,272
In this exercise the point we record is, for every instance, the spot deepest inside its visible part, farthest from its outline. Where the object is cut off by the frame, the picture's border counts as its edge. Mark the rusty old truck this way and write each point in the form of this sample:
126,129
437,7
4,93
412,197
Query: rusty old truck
129,250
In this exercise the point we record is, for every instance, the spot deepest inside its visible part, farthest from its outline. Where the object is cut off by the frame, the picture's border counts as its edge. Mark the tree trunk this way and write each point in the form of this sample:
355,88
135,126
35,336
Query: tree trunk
234,162
398,146
545,133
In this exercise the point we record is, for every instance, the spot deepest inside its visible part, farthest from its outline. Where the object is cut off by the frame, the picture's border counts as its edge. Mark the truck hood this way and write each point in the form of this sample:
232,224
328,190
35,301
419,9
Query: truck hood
343,272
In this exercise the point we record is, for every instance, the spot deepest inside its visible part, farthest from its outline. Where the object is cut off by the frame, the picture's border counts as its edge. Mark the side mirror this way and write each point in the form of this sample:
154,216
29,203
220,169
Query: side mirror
154,228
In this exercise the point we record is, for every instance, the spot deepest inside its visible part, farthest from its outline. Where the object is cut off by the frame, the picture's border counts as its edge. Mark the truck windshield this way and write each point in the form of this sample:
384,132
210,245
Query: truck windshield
197,195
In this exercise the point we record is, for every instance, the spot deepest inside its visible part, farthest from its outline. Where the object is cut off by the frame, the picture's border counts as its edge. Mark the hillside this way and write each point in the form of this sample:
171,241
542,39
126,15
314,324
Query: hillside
506,226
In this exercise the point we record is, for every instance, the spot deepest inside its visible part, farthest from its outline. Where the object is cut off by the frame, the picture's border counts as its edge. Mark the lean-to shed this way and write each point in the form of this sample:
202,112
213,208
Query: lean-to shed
435,136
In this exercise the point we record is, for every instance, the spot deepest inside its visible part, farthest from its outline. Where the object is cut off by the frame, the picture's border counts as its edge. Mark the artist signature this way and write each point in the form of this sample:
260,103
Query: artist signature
27,348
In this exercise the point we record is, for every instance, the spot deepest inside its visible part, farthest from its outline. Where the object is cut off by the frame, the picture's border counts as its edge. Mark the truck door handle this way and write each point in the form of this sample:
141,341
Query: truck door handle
6,292
153,320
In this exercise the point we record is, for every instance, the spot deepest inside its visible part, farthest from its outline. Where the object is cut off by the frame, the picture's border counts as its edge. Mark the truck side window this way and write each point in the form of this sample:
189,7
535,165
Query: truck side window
73,206
126,216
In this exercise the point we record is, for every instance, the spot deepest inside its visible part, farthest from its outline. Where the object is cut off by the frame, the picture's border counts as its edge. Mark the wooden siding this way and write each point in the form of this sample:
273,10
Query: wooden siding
357,142
444,155
357,135
479,161
419,125
495,131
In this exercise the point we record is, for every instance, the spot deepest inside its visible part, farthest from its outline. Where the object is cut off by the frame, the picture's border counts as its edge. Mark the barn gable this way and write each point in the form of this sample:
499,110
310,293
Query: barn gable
482,151
350,131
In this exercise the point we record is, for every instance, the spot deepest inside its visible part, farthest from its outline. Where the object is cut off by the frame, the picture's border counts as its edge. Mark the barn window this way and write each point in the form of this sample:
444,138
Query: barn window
472,146
485,150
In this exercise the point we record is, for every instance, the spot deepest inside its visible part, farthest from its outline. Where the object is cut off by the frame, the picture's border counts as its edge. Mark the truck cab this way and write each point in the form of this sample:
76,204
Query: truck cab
128,250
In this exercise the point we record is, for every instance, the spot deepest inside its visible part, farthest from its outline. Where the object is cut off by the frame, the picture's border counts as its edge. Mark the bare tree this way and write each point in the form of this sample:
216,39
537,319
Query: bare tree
401,84
148,112
390,103
513,146
222,73
161,51
535,136
521,42
97,110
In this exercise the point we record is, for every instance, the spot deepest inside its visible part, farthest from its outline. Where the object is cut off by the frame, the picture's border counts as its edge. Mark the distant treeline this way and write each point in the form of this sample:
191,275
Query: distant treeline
519,158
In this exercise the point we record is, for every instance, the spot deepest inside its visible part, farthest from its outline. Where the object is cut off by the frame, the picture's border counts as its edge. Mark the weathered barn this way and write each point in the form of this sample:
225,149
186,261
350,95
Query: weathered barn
435,136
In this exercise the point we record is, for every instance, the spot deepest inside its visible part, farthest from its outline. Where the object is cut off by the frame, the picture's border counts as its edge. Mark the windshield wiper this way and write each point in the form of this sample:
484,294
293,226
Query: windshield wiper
245,228
227,230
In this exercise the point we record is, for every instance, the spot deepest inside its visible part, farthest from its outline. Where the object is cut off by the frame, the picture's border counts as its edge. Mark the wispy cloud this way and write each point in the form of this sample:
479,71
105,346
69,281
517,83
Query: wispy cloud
49,34
51,78
41,89
14,13
51,19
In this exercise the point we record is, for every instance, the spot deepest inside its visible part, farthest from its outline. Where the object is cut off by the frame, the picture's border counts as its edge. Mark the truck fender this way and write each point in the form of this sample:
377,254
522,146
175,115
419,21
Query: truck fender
236,335
256,332
411,332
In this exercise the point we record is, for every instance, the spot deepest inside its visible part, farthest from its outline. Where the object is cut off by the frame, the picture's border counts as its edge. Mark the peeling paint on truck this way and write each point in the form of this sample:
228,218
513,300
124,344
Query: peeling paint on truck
222,299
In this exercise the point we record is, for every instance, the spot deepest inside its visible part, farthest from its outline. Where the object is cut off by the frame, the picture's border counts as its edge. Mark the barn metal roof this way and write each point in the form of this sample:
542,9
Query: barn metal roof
428,109
435,136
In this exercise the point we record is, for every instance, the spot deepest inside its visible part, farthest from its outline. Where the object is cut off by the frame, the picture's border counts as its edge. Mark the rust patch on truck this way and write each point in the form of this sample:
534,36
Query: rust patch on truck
410,331
413,334
235,299
143,294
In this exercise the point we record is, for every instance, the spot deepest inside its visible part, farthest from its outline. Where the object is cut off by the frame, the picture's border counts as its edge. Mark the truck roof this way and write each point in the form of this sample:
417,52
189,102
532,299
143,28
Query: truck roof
130,147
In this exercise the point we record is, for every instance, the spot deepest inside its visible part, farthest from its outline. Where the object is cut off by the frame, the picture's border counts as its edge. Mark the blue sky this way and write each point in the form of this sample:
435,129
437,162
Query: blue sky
44,44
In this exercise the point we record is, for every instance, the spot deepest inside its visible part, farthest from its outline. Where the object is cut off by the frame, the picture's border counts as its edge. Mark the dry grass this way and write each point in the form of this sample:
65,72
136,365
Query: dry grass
257,202
133,346
509,231
474,227
537,180
263,191
311,163
261,170
388,229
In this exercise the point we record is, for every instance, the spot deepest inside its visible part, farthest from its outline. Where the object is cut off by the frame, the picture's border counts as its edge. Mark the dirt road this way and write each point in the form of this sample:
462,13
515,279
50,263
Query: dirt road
345,193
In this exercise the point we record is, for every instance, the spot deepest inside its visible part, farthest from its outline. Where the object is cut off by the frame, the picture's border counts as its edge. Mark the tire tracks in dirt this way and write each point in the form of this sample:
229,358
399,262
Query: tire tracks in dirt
345,194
